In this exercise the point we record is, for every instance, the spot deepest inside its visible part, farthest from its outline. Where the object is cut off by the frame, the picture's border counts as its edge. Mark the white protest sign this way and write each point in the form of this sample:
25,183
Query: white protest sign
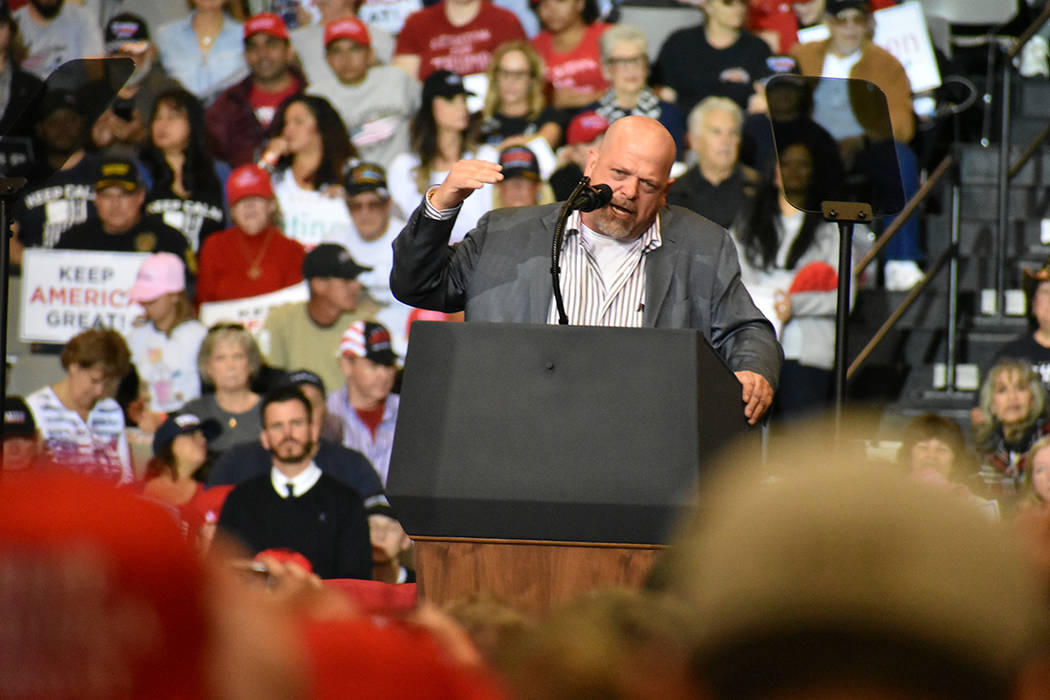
251,311
65,292
901,30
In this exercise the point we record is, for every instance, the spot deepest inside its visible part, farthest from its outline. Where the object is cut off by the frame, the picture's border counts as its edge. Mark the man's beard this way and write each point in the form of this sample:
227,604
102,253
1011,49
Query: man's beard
47,11
607,224
294,458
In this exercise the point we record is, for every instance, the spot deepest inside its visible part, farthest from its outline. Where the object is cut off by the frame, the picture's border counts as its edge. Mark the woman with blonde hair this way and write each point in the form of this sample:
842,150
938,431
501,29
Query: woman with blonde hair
515,111
1013,402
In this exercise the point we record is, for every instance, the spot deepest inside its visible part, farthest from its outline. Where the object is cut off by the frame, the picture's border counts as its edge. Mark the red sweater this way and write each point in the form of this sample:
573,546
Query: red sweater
227,258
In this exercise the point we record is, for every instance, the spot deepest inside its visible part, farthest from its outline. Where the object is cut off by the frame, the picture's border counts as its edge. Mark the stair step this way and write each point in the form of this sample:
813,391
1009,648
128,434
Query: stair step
978,237
980,166
981,202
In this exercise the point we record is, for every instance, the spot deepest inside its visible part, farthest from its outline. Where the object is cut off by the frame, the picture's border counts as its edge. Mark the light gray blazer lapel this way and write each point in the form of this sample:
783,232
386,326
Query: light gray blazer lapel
540,290
659,269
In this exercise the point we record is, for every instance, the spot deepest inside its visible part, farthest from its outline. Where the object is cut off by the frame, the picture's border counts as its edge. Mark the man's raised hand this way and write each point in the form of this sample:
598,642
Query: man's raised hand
465,177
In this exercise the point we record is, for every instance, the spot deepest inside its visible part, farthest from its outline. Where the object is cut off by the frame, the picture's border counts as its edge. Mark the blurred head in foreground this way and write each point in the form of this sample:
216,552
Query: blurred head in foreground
840,579
612,644
99,594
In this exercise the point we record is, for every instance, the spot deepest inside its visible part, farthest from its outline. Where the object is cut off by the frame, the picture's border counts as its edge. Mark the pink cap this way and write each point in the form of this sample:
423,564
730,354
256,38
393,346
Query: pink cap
160,273
585,127
266,23
248,181
347,28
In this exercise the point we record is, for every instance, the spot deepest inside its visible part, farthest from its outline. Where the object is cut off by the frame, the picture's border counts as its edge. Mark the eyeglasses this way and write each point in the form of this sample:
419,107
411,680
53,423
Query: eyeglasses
638,61
727,3
503,74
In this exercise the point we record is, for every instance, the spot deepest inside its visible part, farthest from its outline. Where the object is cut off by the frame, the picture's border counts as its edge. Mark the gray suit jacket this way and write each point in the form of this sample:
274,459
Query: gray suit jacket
501,272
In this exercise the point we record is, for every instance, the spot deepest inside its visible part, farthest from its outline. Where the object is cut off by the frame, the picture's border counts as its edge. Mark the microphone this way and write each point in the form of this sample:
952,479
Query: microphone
591,198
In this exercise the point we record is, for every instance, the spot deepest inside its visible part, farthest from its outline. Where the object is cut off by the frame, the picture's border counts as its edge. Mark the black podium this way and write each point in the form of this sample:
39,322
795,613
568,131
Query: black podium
566,439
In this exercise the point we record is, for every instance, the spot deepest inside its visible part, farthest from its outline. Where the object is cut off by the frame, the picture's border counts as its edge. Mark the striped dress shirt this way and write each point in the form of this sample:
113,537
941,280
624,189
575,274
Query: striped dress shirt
600,290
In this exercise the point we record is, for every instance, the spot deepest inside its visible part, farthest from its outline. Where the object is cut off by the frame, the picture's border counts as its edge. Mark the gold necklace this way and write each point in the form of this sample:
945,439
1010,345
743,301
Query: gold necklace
254,272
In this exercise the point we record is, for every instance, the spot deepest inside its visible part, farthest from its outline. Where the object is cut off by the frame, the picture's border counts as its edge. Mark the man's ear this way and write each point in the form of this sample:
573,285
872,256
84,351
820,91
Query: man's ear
592,159
263,439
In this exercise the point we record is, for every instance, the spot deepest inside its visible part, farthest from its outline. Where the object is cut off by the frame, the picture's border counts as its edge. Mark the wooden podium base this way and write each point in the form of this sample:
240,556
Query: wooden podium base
532,576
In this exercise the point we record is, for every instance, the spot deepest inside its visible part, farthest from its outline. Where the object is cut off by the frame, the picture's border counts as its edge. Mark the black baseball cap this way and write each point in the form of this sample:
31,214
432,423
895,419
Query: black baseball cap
443,83
123,29
118,172
366,177
304,376
180,424
18,419
519,161
55,100
834,7
331,260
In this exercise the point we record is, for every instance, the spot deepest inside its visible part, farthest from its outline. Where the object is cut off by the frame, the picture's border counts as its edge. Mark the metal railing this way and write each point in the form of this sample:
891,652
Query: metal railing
950,255
1006,172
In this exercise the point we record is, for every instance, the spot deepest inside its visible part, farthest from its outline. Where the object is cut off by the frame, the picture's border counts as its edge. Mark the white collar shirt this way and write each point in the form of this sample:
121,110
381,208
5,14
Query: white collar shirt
300,483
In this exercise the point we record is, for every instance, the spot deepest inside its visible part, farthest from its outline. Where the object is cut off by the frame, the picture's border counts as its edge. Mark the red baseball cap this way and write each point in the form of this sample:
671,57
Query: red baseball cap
266,23
366,660
248,181
101,593
347,28
585,127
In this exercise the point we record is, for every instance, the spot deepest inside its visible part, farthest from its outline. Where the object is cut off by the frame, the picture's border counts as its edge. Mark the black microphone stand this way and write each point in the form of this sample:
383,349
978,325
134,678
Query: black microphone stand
559,235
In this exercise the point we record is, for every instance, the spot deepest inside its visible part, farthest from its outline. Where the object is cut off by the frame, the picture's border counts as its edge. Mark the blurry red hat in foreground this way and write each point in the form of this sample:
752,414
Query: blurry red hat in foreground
365,661
100,595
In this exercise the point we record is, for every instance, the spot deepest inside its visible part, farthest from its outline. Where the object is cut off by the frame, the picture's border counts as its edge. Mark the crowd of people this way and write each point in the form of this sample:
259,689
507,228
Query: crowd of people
254,149
261,146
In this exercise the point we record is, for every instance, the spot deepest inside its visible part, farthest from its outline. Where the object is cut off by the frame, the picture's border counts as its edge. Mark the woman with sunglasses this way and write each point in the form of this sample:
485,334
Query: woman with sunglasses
733,59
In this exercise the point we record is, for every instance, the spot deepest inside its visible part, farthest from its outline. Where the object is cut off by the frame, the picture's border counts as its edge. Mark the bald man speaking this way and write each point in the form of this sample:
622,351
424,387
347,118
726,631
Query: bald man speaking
635,262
